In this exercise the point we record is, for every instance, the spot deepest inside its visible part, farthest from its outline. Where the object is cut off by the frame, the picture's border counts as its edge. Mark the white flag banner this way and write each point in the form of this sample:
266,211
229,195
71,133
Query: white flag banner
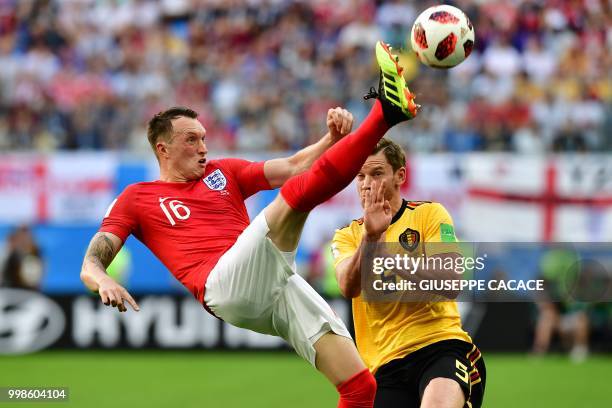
538,198
21,186
584,189
57,189
491,197
81,187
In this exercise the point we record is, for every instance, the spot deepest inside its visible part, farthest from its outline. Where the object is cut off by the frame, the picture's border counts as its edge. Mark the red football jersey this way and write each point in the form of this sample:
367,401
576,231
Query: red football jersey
189,226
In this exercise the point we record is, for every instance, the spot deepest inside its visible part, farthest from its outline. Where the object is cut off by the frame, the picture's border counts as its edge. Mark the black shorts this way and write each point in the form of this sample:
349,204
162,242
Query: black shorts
401,383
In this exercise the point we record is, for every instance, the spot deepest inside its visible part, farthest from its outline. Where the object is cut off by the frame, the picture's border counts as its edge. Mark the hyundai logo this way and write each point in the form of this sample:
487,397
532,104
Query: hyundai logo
29,321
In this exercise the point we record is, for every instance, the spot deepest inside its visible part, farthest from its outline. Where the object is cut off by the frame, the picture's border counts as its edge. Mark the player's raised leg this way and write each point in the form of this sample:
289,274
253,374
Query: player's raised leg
336,355
338,166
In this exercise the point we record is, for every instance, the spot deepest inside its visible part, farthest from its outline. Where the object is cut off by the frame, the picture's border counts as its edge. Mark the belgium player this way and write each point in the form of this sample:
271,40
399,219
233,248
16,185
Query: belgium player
418,351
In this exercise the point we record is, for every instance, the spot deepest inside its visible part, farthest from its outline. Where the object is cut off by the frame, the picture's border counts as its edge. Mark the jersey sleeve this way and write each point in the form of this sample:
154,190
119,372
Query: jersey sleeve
120,218
344,244
250,175
439,230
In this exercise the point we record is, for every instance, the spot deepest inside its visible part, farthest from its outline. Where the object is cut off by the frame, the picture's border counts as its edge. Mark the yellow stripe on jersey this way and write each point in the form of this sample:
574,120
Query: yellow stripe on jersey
387,331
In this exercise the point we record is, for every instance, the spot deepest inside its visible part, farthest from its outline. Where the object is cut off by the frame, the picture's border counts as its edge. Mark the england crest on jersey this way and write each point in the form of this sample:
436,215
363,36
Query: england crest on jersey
215,180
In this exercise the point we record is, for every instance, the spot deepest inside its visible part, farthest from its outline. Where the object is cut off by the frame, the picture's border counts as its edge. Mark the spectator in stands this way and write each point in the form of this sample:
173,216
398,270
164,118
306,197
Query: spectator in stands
87,74
22,266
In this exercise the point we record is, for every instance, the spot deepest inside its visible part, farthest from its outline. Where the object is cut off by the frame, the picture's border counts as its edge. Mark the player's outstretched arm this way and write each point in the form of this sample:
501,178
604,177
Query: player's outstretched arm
277,171
102,249
377,217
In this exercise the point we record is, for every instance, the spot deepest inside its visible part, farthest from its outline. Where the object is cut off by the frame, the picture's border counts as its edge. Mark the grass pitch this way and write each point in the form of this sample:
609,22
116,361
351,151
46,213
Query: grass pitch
154,379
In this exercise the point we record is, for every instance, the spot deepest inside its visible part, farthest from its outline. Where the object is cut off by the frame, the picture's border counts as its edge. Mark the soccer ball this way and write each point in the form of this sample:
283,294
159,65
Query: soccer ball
442,36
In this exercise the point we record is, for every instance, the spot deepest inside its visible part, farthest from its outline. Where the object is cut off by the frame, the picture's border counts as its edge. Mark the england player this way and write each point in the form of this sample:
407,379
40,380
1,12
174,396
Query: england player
418,351
194,220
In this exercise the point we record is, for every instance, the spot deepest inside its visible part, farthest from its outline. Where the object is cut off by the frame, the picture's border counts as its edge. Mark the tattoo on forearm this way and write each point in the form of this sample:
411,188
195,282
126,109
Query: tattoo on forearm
101,251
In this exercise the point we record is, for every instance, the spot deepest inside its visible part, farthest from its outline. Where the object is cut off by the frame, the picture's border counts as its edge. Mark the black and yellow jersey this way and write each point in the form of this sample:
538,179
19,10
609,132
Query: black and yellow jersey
392,330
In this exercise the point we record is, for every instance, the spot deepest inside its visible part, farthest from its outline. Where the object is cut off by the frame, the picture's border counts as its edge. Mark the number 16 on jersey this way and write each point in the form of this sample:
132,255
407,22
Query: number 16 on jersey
176,207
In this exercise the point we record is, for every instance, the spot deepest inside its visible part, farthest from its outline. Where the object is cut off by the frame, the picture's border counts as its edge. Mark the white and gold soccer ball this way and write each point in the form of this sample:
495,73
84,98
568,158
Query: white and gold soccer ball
442,36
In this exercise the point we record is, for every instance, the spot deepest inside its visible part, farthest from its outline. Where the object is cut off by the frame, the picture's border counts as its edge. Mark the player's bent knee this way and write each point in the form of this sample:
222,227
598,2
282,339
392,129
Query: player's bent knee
285,224
443,393
292,192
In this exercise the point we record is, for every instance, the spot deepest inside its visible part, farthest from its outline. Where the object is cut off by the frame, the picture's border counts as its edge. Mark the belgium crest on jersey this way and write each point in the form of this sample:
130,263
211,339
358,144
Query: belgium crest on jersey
215,180
409,239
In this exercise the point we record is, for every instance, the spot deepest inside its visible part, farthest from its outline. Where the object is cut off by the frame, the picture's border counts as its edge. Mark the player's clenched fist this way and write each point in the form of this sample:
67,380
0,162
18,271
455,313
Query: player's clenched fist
339,123
113,294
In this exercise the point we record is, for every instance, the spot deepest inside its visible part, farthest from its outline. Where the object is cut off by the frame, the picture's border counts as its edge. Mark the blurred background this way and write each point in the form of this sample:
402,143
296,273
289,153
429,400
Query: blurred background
79,74
515,142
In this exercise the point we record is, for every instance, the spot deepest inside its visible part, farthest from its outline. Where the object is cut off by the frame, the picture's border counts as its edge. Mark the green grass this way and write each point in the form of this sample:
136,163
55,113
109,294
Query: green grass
553,381
235,379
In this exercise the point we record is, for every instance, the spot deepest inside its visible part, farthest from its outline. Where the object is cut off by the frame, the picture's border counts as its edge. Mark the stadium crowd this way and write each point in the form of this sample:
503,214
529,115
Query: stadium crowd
87,74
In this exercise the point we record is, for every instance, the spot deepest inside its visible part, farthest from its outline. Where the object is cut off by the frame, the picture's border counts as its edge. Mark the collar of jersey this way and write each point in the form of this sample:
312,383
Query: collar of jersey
400,212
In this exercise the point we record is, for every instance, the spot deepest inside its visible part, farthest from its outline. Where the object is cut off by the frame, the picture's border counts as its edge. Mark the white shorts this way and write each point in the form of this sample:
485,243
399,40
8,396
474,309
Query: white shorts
254,286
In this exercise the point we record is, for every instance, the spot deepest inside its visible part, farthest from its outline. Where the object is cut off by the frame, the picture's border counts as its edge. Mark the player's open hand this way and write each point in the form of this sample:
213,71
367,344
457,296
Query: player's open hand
115,295
377,211
339,123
